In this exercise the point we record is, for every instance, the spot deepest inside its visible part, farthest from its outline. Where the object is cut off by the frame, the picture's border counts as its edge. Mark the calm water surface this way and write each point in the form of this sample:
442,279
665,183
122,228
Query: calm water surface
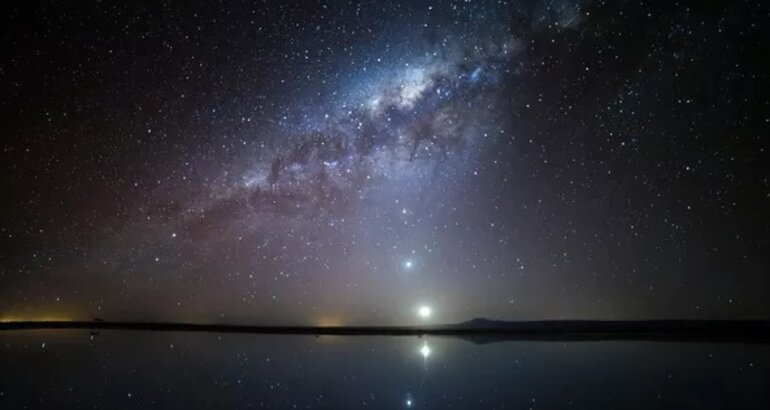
140,370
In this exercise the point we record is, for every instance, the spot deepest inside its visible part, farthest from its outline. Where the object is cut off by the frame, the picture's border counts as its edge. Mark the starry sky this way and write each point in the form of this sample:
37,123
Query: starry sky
346,162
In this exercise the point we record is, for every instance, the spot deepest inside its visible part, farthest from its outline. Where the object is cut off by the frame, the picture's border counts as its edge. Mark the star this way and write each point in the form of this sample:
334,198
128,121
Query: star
425,312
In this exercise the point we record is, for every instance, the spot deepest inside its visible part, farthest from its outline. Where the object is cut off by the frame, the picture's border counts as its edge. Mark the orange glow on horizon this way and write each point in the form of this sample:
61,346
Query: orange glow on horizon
329,321
37,317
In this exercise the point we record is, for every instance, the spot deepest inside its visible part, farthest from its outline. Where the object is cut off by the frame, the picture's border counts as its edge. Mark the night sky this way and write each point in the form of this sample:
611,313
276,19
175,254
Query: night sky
343,162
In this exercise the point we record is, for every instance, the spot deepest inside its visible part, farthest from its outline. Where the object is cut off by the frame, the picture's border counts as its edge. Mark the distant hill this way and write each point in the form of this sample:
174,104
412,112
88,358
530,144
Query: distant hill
484,323
672,327
482,330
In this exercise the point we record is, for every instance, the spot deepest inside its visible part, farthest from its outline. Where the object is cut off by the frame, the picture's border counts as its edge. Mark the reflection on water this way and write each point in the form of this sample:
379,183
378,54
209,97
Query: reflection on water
425,350
137,370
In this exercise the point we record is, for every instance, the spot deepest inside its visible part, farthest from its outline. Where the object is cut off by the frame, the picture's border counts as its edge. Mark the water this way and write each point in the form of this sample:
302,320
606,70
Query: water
45,369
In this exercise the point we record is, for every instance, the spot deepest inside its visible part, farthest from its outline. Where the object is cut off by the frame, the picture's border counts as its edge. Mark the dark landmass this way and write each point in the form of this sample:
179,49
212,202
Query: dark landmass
476,330
745,331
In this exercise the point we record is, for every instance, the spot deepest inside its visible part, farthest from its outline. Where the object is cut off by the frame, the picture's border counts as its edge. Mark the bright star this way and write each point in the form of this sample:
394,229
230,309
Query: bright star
408,264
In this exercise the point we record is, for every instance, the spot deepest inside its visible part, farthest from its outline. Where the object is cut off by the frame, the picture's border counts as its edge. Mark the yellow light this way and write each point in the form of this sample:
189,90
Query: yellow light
329,321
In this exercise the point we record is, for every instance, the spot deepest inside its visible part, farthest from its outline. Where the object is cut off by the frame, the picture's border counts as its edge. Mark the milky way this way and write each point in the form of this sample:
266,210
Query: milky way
349,162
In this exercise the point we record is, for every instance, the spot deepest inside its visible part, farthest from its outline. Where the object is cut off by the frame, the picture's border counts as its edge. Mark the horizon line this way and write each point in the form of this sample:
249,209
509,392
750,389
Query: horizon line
743,330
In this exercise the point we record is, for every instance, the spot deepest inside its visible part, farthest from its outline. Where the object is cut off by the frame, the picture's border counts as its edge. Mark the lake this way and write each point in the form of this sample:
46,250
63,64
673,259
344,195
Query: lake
52,369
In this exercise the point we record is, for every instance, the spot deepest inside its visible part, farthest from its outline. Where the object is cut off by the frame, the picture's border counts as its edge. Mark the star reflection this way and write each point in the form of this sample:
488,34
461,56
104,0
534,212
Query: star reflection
425,350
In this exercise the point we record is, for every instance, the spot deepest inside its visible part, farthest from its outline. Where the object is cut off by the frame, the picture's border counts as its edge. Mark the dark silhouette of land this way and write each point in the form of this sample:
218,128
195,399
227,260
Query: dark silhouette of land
476,330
